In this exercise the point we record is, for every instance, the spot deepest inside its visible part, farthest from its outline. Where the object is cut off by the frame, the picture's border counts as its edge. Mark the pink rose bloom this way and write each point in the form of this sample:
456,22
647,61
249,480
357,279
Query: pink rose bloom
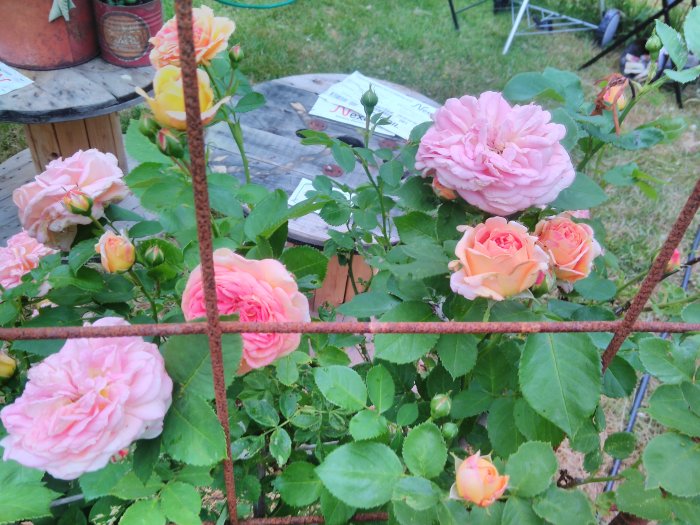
20,256
41,209
84,404
256,291
497,259
211,34
499,158
571,247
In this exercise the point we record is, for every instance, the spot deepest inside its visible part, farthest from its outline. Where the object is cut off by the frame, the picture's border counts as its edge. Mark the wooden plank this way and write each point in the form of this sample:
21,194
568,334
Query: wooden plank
72,136
15,171
43,143
120,82
119,150
104,133
333,289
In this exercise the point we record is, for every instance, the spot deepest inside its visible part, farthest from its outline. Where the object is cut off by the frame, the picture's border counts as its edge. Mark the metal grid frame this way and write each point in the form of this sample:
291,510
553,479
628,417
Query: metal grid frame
214,328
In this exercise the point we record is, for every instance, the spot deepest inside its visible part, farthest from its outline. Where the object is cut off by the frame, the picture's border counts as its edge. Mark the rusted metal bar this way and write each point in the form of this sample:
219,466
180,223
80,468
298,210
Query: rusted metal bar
654,276
195,139
304,520
339,327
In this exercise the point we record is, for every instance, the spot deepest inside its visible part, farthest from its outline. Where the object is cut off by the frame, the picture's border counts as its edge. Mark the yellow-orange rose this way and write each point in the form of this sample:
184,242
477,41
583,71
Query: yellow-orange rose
168,101
211,34
571,247
497,259
478,481
117,254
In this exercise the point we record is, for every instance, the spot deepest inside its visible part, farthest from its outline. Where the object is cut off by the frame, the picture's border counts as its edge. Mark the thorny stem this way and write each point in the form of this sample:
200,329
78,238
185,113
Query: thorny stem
380,195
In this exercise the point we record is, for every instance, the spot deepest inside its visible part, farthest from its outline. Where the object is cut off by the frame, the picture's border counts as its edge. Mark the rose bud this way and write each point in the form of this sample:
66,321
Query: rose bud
440,406
674,262
148,125
443,192
544,283
169,143
116,252
7,366
616,95
449,431
78,202
654,44
369,101
235,55
478,481
153,256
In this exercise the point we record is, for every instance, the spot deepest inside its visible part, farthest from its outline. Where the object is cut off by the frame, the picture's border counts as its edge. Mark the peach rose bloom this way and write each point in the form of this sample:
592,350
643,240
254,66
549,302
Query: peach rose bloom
87,402
211,34
117,254
571,247
478,481
497,259
168,101
21,255
499,158
42,212
256,291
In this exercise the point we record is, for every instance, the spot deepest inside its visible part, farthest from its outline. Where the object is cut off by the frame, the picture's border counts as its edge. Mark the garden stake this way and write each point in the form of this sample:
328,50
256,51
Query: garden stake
195,138
655,274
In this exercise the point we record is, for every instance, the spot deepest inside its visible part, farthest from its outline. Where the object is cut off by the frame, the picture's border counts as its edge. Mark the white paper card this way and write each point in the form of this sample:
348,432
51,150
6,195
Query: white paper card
11,79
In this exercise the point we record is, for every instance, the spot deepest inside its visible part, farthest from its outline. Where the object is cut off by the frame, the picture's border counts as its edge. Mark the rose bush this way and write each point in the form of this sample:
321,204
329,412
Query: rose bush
123,430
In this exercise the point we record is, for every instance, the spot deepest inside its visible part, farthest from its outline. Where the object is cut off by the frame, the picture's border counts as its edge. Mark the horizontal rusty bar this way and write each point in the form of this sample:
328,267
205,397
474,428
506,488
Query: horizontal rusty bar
339,327
304,520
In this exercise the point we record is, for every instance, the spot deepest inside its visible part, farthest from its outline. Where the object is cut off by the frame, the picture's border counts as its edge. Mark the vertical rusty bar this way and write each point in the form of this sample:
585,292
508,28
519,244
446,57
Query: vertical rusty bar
655,274
195,137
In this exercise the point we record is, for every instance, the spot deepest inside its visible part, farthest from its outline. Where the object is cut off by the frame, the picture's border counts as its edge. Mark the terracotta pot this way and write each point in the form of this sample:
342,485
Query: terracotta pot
28,40
123,31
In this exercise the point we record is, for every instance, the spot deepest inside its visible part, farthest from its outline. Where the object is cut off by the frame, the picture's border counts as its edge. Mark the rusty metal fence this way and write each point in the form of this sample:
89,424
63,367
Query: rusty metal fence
213,327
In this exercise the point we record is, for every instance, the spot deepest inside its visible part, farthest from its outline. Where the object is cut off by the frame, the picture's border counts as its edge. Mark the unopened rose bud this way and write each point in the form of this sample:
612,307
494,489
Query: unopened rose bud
235,55
675,262
148,126
78,202
369,101
615,95
7,366
154,255
654,44
449,431
440,406
543,284
442,192
169,143
117,254
478,481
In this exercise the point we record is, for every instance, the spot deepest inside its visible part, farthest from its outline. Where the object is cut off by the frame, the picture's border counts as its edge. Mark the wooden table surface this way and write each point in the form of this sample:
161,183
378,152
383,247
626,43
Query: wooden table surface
89,90
275,153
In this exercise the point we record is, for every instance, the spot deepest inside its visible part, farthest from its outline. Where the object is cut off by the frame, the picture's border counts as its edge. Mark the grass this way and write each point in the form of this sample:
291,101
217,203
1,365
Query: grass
414,44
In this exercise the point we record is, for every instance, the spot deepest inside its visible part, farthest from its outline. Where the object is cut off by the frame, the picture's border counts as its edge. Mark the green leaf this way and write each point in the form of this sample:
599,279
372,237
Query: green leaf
391,172
304,261
106,511
334,511
676,406
531,469
407,414
262,412
268,215
188,362
620,444
631,496
146,456
424,450
405,515
344,156
81,253
181,503
457,353
561,116
368,304
560,376
691,312
674,44
131,487
415,226
247,447
672,462
280,446
101,482
533,426
564,507
619,379
140,148
417,493
342,386
596,288
661,359
86,279
380,387
685,76
362,475
502,431
691,31
471,402
525,87
144,512
299,484
287,367
25,501
249,102
519,512
584,193
367,424
12,473
452,512
192,433
405,348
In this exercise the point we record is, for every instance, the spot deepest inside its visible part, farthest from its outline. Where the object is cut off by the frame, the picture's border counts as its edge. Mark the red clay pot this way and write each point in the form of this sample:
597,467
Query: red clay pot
123,31
28,40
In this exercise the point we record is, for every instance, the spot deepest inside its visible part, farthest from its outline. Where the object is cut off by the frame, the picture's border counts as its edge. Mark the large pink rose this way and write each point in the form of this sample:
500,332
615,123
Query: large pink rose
497,259
256,291
20,256
87,402
41,209
499,158
211,34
